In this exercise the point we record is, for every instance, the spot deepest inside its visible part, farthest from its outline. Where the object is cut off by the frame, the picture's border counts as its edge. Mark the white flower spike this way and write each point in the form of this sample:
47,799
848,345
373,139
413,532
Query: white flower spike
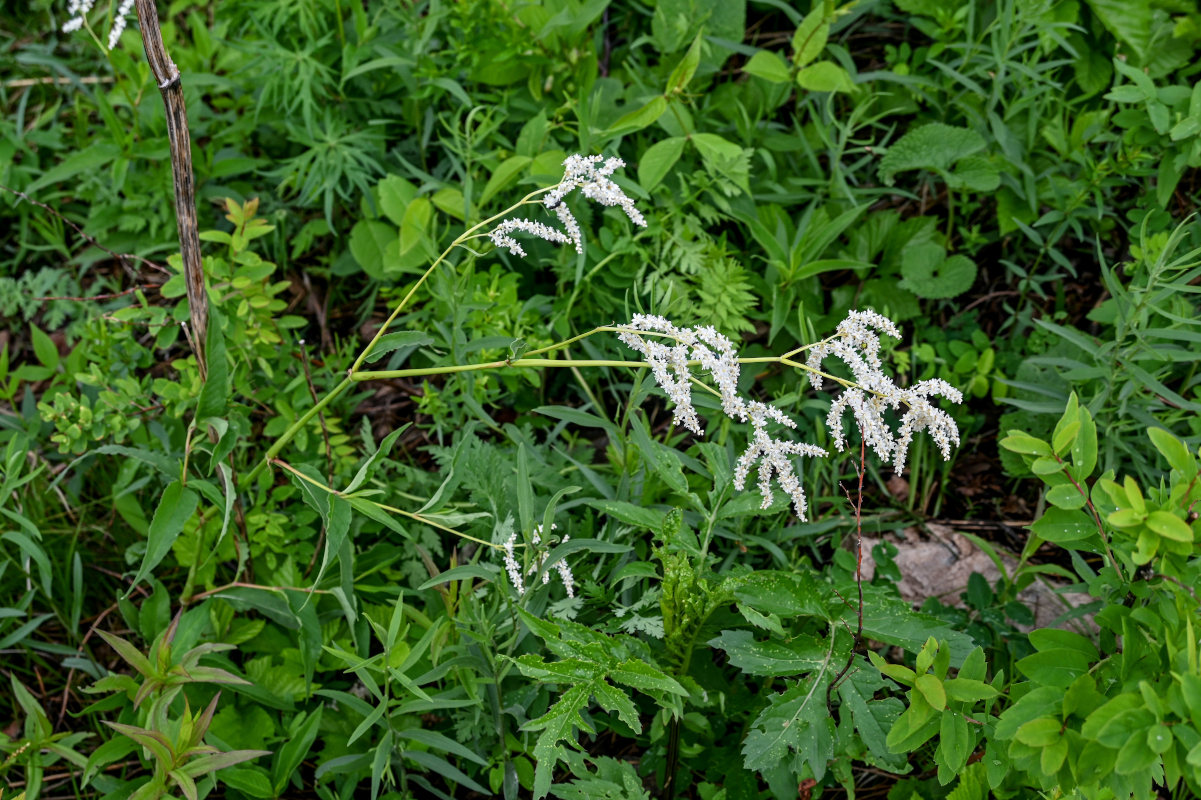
580,172
856,342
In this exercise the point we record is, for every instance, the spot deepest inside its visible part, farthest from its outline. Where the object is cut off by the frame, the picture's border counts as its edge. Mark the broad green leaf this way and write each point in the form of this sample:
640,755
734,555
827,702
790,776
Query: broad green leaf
976,174
1128,20
1057,667
1060,525
501,177
769,66
658,160
175,508
967,690
375,247
931,688
44,348
1172,449
1066,496
796,720
929,273
395,194
933,146
638,119
810,37
1019,442
825,76
1170,526
798,655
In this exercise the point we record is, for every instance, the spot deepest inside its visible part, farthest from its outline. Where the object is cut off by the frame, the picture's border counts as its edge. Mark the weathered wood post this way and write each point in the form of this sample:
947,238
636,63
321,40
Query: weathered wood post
167,75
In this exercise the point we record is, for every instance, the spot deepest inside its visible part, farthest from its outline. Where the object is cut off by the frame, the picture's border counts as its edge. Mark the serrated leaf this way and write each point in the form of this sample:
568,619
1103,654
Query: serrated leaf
796,720
934,146
771,657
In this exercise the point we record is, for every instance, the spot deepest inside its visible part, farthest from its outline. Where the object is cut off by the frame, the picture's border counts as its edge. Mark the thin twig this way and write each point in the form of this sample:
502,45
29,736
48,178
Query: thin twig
166,74
121,257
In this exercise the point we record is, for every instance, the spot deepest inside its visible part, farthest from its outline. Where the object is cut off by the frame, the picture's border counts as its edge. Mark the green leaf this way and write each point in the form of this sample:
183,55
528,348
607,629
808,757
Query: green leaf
825,76
44,348
174,509
639,516
723,157
955,741
928,273
1057,667
974,173
1059,525
1019,442
683,72
1128,20
795,720
932,689
1040,732
771,657
658,160
1172,449
769,66
810,37
302,734
502,176
375,247
214,395
1170,526
966,690
556,725
645,678
415,224
638,119
395,194
933,146
1066,496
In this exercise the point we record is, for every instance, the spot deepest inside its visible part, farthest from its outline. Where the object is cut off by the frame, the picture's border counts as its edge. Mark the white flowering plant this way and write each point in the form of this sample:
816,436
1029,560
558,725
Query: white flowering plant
885,417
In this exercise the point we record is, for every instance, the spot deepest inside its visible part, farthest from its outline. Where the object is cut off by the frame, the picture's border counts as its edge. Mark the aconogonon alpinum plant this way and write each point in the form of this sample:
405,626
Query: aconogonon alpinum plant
679,357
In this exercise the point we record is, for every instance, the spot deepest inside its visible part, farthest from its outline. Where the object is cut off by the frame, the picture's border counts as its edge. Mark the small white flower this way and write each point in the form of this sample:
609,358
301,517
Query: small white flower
78,9
716,355
858,346
501,238
511,565
114,35
538,562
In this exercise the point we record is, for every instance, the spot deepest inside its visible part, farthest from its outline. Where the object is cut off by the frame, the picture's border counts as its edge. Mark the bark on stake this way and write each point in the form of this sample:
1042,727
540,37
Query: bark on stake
167,75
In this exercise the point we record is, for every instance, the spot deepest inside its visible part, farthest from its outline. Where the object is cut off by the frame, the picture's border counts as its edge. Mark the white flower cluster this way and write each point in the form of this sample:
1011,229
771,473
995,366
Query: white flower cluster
594,182
857,343
78,9
114,35
514,569
501,238
716,354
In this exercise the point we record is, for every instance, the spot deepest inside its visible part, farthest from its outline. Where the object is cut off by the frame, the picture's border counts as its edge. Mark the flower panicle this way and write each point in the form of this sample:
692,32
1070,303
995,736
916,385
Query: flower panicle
538,563
856,342
592,176
716,355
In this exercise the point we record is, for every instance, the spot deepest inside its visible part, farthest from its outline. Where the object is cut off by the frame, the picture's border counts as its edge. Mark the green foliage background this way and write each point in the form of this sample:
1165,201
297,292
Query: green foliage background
1013,182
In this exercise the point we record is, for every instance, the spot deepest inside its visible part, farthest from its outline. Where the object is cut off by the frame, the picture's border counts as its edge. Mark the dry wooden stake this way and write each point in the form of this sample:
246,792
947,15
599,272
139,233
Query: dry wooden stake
169,83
